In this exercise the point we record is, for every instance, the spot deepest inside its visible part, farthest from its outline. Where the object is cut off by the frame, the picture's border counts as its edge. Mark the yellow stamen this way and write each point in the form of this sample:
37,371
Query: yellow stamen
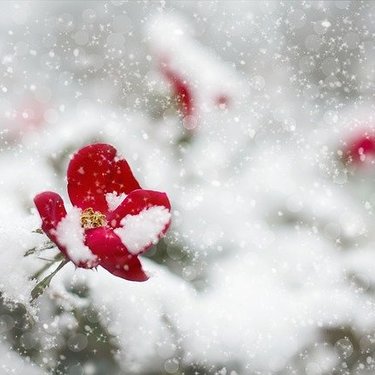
92,219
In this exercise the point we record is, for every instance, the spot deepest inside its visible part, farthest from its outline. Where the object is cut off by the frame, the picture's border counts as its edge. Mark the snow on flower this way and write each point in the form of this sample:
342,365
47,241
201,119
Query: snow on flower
142,230
114,200
95,232
70,234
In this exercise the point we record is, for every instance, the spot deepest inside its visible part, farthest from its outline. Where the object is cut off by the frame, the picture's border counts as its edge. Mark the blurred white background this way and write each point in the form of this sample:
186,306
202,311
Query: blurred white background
257,118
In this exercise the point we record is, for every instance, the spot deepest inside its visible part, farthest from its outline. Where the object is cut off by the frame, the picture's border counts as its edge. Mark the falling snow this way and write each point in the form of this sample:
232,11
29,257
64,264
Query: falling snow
257,119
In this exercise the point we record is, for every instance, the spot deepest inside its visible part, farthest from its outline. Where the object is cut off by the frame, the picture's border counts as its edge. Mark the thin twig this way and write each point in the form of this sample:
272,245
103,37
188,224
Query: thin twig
45,246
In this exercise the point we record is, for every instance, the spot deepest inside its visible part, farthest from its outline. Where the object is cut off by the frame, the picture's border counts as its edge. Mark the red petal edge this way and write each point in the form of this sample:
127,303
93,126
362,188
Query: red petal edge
95,171
51,210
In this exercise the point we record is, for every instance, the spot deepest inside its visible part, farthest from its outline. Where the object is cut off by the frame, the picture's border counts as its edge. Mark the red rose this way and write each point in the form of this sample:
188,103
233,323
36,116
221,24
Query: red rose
113,219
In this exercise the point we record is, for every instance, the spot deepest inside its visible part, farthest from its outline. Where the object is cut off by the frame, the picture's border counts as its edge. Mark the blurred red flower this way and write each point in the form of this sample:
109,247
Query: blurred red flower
180,89
361,148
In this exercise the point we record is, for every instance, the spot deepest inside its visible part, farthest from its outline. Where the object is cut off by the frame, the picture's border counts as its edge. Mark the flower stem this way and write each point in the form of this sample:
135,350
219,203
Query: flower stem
57,258
43,284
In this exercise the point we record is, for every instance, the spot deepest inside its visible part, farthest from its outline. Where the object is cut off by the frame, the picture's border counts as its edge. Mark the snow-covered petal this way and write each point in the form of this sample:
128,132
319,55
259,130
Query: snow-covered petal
139,232
135,202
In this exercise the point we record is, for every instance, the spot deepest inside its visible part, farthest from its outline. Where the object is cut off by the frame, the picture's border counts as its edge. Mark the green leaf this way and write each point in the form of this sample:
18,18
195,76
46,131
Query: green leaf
43,284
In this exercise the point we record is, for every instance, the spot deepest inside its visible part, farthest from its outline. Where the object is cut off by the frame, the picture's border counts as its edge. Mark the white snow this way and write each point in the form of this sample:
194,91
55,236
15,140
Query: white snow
15,269
268,224
12,363
114,200
139,231
70,234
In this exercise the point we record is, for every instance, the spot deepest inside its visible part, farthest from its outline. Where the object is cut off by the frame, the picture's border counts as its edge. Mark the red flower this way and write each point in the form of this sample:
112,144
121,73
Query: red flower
361,149
113,219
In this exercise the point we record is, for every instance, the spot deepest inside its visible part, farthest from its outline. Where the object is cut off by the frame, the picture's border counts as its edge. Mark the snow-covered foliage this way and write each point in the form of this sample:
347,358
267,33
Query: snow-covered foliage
256,118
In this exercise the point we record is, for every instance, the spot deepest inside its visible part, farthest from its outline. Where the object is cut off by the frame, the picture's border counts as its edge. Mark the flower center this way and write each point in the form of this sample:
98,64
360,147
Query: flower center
92,219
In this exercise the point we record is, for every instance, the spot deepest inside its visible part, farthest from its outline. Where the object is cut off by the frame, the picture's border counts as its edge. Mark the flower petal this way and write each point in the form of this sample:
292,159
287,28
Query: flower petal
141,219
52,210
95,171
126,268
113,255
